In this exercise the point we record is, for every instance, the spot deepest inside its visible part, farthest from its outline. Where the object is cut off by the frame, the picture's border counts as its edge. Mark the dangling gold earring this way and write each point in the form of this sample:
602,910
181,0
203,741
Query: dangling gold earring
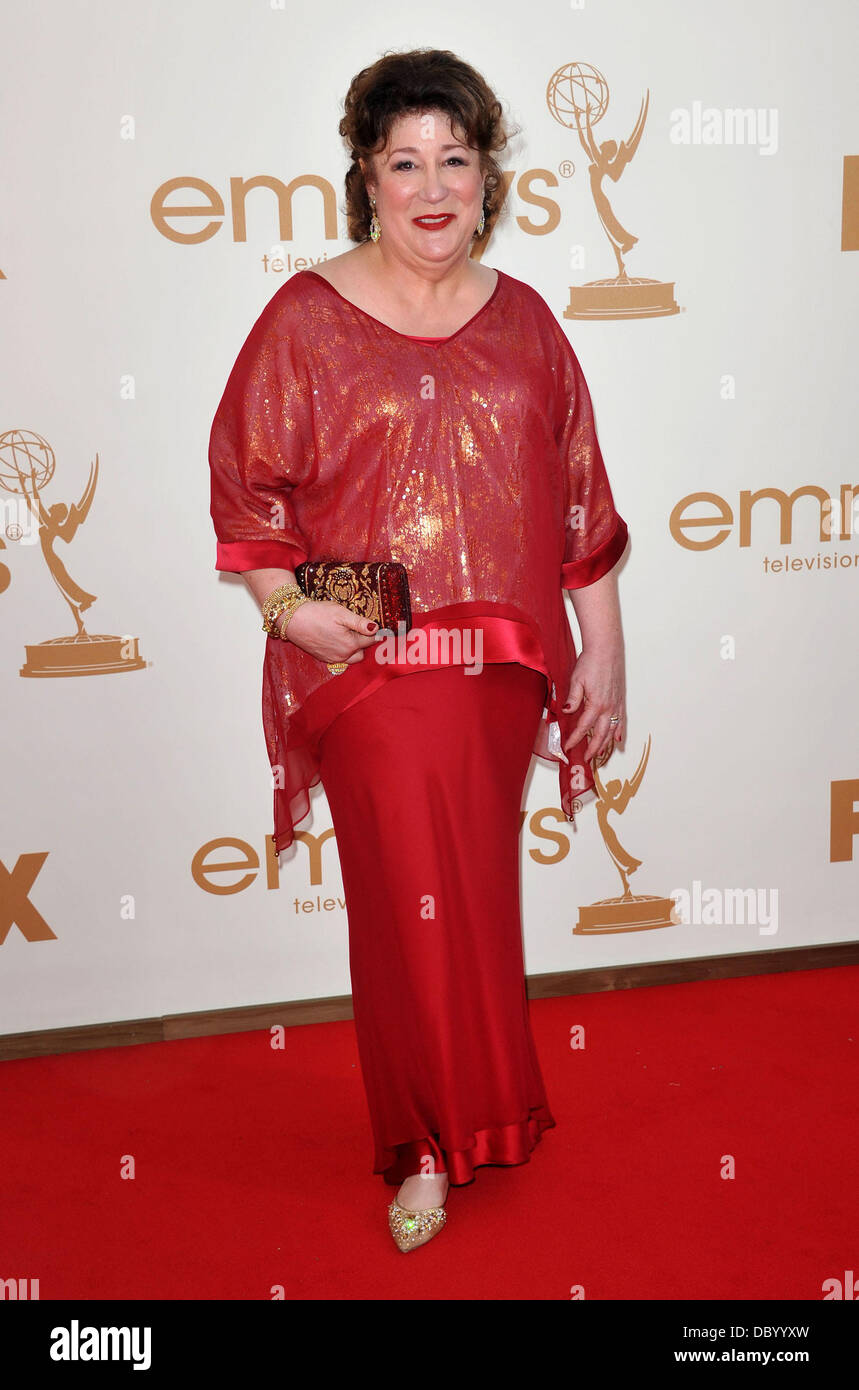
481,224
375,225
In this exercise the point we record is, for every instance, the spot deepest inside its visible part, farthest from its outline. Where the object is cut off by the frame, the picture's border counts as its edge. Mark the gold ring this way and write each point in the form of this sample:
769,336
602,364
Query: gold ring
337,667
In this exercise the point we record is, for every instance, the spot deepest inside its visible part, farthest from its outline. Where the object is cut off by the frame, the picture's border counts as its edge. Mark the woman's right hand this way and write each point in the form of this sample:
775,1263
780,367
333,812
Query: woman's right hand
330,631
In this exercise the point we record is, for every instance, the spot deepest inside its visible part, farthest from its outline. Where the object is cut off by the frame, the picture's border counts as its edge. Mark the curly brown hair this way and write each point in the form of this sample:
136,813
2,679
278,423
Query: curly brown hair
411,83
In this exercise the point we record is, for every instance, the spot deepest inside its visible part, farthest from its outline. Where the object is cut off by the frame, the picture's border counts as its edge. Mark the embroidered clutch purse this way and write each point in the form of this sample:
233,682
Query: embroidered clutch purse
378,590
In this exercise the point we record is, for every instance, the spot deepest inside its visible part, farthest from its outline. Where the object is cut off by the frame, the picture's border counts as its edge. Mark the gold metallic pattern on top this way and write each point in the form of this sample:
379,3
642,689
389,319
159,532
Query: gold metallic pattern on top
473,461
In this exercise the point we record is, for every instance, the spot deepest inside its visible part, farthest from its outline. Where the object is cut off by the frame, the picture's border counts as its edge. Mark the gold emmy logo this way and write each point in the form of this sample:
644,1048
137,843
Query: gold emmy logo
578,97
27,465
627,913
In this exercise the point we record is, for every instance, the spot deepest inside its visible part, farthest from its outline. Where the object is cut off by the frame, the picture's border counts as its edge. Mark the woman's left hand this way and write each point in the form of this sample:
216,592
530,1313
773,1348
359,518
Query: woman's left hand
598,689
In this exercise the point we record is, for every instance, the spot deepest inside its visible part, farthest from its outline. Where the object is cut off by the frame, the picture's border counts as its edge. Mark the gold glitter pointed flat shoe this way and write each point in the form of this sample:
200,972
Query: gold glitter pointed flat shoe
413,1228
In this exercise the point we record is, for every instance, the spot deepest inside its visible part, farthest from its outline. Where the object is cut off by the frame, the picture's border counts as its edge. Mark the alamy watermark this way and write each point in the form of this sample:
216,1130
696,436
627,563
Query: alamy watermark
719,907
435,646
714,125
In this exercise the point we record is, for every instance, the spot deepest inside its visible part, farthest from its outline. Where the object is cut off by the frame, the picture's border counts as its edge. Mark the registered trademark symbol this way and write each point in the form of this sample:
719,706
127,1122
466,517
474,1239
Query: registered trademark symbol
566,168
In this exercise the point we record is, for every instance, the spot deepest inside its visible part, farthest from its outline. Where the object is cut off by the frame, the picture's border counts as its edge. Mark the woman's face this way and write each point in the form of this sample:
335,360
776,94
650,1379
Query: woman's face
425,171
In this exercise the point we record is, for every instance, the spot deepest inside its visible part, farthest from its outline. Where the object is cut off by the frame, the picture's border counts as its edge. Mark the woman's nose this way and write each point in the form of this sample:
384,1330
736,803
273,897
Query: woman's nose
434,186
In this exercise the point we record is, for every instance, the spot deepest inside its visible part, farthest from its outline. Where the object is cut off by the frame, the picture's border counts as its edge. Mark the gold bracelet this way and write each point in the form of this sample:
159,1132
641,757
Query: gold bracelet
281,631
273,605
282,600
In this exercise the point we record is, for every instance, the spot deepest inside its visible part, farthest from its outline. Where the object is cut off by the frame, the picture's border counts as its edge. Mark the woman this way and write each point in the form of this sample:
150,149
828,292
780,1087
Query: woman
403,401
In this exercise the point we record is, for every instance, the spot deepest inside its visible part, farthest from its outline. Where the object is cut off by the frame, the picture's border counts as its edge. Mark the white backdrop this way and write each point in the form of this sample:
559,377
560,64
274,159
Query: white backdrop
118,335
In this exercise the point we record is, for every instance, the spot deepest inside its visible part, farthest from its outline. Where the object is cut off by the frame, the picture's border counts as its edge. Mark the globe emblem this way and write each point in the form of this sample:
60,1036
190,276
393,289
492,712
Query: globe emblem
25,457
577,89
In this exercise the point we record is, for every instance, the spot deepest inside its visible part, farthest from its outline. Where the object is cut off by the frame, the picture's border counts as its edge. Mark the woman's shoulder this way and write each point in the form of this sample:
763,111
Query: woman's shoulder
536,317
528,295
297,292
293,312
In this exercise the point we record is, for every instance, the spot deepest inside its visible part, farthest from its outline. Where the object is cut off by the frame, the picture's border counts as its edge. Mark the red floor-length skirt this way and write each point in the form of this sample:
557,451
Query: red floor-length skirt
424,779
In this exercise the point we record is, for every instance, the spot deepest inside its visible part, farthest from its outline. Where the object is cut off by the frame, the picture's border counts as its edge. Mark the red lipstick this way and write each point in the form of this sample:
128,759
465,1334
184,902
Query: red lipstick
431,222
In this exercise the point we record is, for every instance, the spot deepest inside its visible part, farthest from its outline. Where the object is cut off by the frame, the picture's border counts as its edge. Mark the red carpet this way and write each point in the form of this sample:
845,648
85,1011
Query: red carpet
253,1165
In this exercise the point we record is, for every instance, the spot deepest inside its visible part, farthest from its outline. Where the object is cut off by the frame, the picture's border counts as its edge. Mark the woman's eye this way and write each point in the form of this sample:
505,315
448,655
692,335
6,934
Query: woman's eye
408,163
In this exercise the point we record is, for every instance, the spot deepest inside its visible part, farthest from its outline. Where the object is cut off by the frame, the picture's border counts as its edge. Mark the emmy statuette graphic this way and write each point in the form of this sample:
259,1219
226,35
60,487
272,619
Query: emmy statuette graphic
628,912
578,97
27,465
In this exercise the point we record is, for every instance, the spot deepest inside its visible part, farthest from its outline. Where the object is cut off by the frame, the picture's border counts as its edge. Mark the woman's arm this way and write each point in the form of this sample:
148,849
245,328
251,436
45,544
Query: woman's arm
599,677
263,582
597,609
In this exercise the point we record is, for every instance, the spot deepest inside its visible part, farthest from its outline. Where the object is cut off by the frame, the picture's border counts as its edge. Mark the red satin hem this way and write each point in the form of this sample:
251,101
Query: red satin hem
505,1145
508,635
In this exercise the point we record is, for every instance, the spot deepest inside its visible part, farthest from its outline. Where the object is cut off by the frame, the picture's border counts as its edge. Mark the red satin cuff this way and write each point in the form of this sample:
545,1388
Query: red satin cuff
576,574
238,556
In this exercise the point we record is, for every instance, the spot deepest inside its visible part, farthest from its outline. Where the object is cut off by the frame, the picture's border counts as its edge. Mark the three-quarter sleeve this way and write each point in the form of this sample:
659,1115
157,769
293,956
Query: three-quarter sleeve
260,449
595,532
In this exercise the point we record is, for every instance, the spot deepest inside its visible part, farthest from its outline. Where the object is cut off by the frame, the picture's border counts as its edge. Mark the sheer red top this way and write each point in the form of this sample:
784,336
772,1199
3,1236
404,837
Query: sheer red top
472,459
